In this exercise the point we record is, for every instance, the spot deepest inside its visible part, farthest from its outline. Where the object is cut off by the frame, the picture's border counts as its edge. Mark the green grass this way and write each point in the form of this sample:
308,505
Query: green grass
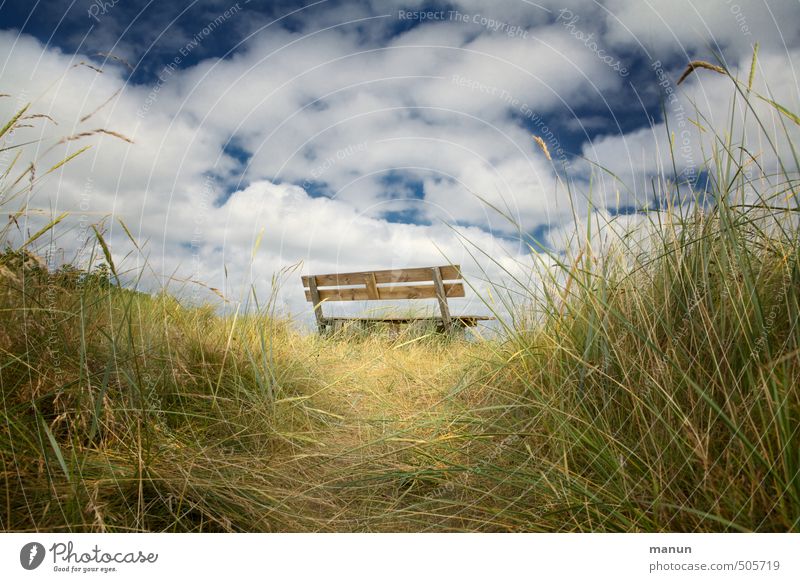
656,390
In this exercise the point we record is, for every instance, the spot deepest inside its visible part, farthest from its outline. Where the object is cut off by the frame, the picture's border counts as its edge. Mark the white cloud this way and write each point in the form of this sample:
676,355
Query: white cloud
704,101
440,104
691,26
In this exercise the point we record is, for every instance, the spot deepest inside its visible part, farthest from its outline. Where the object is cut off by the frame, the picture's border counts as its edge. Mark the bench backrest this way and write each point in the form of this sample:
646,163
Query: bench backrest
382,285
416,283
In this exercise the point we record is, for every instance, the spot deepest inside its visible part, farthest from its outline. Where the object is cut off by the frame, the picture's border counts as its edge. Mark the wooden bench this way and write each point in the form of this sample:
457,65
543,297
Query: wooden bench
426,283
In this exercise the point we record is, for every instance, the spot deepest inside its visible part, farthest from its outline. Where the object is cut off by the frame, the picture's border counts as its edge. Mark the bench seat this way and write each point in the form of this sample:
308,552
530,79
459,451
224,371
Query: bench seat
464,320
439,283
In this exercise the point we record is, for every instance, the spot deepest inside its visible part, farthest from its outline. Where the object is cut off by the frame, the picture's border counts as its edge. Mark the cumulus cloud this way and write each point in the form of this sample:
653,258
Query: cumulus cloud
355,139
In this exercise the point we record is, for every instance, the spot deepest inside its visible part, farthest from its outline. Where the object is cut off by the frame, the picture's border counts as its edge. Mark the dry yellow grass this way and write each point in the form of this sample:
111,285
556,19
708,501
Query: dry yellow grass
543,146
392,405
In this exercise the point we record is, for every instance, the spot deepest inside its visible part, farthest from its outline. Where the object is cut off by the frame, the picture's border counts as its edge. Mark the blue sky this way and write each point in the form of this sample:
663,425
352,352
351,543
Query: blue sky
375,133
150,34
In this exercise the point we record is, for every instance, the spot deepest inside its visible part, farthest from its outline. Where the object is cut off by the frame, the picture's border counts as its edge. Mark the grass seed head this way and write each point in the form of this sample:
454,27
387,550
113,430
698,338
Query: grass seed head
543,146
700,65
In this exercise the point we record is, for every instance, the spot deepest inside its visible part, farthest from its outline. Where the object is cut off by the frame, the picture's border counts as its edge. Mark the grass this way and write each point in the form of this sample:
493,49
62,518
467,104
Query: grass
655,390
153,416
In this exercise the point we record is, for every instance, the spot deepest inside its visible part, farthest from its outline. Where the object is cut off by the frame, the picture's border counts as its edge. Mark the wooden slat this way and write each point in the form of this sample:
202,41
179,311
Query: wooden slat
441,296
372,286
415,275
313,296
396,292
